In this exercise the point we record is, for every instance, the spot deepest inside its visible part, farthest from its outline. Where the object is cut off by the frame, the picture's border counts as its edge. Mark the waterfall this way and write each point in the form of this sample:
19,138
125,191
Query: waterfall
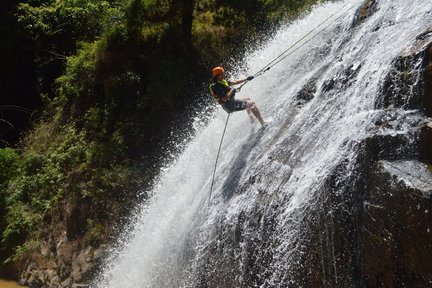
321,102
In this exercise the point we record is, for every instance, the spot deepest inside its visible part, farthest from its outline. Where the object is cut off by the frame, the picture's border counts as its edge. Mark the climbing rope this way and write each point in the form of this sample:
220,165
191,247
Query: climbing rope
283,55
217,157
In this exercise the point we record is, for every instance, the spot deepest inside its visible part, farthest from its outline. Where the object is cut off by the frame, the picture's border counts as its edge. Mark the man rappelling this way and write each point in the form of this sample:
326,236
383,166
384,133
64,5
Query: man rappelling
224,94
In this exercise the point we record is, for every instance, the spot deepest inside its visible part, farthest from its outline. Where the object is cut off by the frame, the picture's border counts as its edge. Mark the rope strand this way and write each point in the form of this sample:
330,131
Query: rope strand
217,157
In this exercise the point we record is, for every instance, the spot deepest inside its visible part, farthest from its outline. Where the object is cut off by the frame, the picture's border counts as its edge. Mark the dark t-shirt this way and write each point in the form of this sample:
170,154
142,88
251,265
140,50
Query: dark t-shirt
220,90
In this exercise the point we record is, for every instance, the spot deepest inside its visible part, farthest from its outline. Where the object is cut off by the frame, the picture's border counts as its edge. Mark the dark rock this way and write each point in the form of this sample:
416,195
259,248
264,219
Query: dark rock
363,236
342,79
391,147
328,85
75,220
367,9
401,87
397,208
408,85
425,144
428,81
307,93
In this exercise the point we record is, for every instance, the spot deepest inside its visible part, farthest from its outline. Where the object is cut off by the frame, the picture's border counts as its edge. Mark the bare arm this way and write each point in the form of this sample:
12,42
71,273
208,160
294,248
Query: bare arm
237,82
232,83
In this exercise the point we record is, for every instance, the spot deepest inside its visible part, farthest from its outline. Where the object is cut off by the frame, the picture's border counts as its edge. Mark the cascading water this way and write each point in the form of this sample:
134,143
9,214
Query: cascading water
322,102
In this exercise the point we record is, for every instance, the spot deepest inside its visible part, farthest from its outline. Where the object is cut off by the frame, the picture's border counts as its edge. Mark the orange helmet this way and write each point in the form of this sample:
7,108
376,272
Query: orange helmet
217,70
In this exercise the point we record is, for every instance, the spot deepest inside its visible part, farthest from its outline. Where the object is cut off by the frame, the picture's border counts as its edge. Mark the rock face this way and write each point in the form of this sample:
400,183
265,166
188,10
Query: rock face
428,81
64,264
376,232
394,236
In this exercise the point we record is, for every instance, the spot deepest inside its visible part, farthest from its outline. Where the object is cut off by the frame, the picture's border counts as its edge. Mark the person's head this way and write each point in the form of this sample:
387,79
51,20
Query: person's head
218,73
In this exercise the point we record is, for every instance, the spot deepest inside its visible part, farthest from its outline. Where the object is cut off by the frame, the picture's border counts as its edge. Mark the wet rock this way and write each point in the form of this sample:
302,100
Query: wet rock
81,264
375,232
367,9
307,93
425,144
401,88
391,147
408,84
343,79
55,281
428,81
397,208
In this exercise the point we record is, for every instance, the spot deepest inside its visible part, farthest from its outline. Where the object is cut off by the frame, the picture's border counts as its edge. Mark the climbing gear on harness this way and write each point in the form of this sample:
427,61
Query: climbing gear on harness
226,87
217,70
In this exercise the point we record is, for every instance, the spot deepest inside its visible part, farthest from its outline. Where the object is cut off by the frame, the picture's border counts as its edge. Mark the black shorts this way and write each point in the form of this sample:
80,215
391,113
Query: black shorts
233,105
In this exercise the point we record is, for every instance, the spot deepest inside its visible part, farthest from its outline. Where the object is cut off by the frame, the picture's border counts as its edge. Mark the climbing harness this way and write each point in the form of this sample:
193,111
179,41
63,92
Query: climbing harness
224,84
274,62
217,157
283,55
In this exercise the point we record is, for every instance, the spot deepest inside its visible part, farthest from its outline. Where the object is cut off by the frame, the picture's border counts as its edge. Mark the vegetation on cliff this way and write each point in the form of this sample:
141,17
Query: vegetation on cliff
111,81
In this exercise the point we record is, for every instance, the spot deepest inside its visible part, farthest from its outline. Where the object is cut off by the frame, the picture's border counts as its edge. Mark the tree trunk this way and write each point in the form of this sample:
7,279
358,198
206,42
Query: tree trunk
187,19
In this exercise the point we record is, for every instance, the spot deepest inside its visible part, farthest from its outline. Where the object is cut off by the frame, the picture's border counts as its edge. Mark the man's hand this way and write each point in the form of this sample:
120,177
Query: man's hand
250,78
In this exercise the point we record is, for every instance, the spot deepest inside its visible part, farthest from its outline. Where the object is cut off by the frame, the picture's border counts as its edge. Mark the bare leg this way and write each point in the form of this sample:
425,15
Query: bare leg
251,117
249,111
256,112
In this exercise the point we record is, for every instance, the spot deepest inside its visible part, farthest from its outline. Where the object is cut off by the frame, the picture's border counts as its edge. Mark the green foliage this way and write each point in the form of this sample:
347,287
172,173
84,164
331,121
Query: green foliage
55,29
166,84
76,20
69,168
78,81
8,160
22,250
8,169
95,232
258,13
